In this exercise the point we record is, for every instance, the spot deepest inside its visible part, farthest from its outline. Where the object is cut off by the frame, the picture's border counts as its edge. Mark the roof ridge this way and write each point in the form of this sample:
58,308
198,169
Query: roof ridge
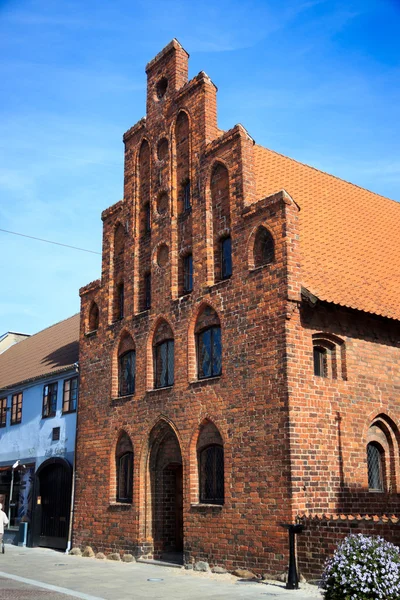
329,174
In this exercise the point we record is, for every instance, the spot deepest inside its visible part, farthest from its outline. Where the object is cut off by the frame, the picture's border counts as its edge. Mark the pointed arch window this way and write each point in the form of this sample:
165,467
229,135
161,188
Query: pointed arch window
127,372
208,344
164,364
124,469
210,451
375,459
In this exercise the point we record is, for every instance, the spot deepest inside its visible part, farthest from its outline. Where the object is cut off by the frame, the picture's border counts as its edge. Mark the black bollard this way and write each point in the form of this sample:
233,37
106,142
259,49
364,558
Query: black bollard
293,579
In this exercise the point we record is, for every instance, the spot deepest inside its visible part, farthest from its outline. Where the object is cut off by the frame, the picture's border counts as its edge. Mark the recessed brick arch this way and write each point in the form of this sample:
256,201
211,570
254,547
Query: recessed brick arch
93,317
252,261
117,437
161,491
191,341
204,421
160,320
122,344
382,430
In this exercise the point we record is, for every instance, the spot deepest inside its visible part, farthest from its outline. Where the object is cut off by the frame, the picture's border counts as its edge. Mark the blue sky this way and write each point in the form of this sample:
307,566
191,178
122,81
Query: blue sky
316,80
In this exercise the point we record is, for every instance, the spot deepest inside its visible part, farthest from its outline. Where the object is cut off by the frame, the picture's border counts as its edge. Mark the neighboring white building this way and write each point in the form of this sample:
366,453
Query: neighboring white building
10,338
38,403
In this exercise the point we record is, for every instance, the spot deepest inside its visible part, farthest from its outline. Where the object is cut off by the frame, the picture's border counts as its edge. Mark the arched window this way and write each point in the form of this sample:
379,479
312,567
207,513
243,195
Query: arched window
127,368
94,317
375,459
329,356
209,345
264,247
124,469
210,452
163,356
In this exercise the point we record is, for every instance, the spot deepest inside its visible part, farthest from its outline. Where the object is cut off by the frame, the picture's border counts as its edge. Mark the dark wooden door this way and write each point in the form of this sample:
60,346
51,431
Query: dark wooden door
55,499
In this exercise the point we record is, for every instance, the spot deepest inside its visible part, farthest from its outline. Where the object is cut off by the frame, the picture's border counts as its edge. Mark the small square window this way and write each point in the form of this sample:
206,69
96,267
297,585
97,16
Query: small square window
55,434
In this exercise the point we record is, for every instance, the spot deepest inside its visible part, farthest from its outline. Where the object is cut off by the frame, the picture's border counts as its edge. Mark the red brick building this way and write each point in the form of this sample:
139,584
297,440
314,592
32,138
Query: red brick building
239,356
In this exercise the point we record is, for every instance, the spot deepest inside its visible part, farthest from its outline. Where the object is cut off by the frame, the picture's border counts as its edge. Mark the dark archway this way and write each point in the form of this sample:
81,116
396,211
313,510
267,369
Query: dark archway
166,483
52,506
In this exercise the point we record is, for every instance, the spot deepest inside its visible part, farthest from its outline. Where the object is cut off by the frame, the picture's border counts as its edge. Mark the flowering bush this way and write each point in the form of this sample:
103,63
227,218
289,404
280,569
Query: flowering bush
363,568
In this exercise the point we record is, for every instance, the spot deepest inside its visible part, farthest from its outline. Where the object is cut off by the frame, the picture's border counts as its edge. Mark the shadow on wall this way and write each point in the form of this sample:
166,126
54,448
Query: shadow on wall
66,355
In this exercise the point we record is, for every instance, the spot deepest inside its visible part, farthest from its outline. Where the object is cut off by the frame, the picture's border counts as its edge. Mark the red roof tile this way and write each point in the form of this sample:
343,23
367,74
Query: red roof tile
349,236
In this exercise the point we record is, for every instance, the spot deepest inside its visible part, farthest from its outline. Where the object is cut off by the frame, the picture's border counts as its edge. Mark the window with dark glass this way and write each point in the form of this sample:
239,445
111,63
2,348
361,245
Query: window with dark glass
375,467
187,273
127,367
209,352
147,290
226,258
49,400
55,435
164,364
3,412
16,408
120,301
319,355
125,477
211,463
70,395
186,196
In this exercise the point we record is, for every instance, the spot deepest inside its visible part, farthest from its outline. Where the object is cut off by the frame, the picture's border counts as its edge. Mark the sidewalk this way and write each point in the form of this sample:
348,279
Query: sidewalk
37,573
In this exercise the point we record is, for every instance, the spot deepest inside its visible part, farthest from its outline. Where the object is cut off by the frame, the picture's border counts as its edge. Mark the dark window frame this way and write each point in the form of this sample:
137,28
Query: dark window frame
200,340
162,375
49,407
320,358
188,273
226,257
55,434
126,386
375,463
125,477
16,408
211,479
120,300
70,395
3,412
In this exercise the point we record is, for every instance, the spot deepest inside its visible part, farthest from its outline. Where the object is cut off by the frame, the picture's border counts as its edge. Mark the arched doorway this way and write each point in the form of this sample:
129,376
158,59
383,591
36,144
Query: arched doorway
166,489
52,504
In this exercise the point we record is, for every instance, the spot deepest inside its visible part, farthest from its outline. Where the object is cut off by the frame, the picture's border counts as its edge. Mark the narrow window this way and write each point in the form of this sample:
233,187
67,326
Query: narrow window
127,367
70,395
120,301
209,352
320,366
187,273
375,464
212,474
164,364
186,196
147,291
49,400
3,412
226,258
125,473
147,218
16,408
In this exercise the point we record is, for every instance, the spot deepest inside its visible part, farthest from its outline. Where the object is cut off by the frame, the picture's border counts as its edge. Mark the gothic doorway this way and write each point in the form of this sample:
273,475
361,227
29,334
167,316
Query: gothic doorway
166,483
